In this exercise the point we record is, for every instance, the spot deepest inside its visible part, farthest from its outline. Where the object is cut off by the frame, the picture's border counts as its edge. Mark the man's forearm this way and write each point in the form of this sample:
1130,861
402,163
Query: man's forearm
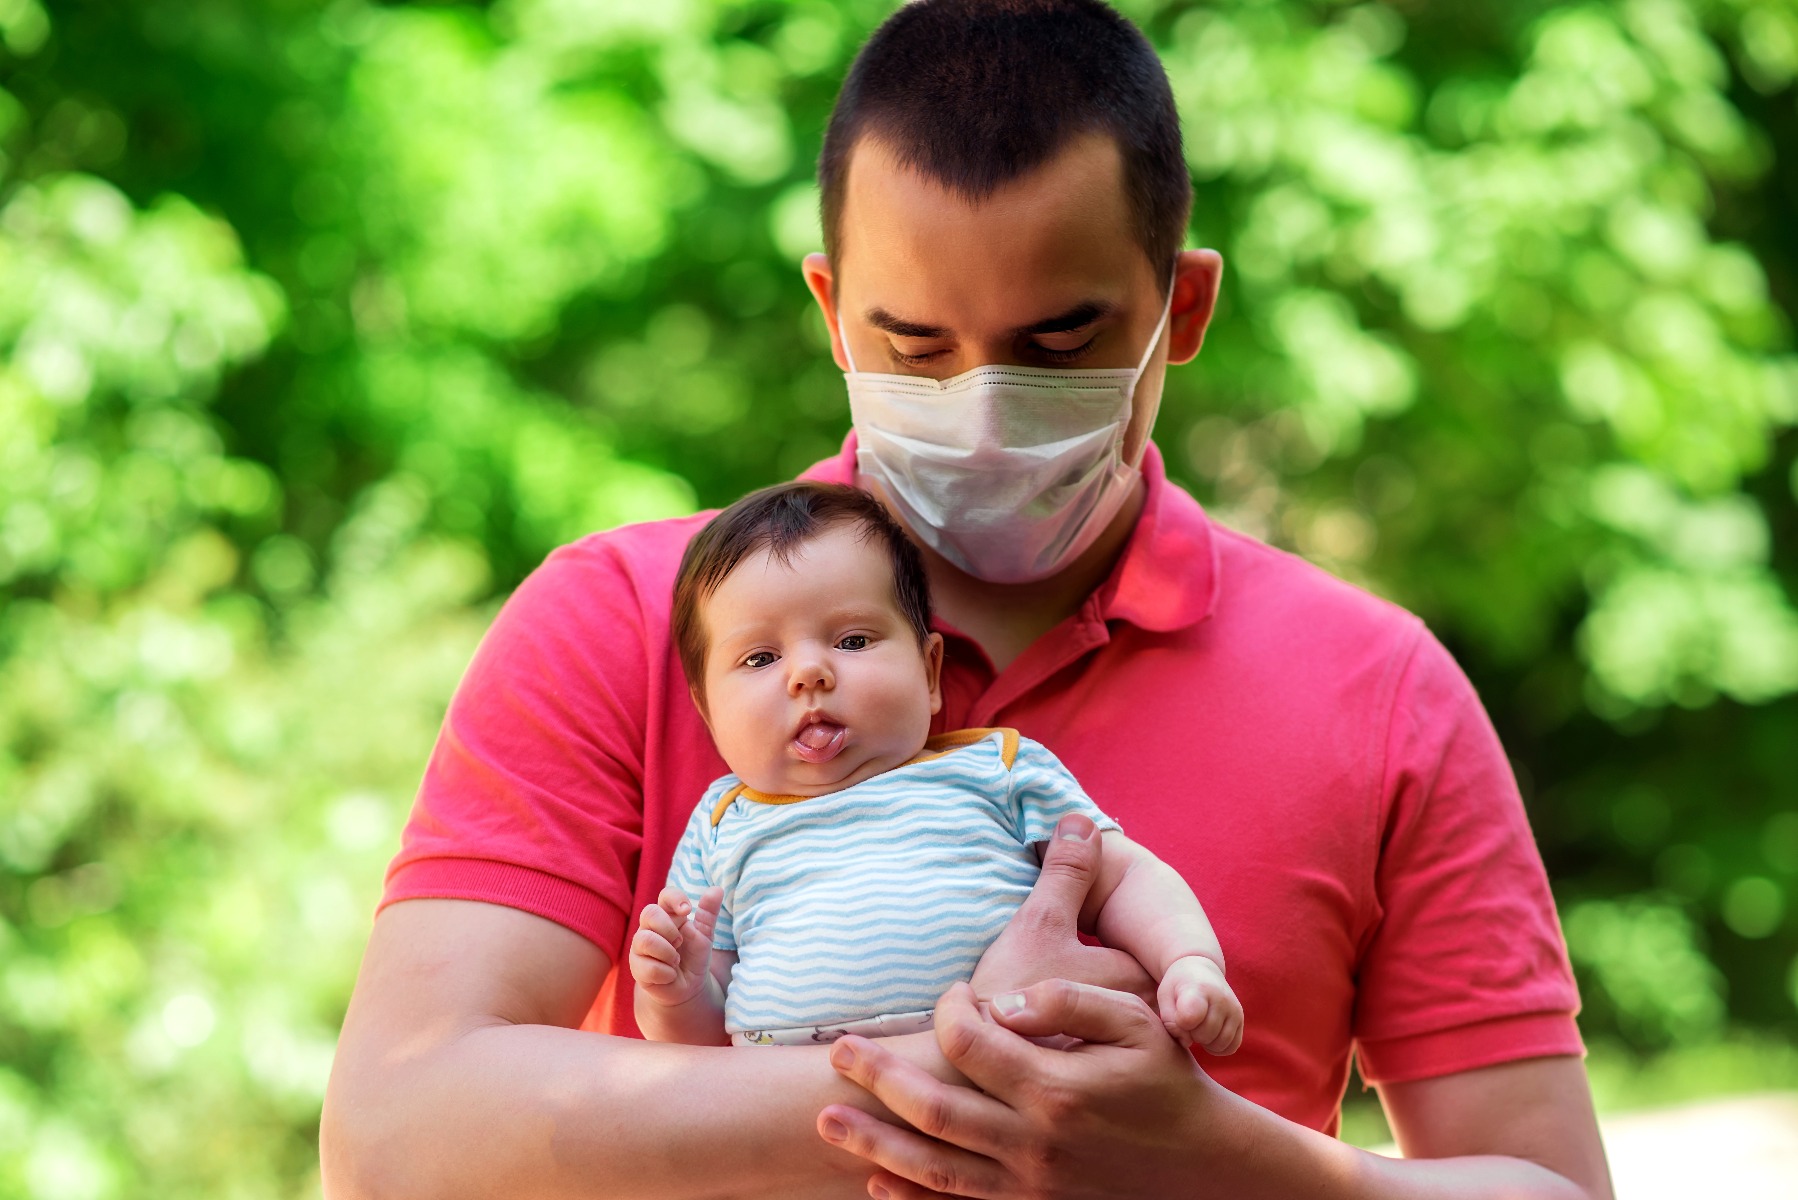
459,1075
1279,1160
539,1112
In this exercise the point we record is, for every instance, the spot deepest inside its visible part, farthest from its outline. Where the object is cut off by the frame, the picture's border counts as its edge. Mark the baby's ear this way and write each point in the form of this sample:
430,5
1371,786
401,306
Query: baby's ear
933,669
699,703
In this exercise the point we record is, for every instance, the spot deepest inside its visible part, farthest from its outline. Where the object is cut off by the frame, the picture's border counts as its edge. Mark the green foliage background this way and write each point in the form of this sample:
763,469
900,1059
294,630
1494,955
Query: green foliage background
320,323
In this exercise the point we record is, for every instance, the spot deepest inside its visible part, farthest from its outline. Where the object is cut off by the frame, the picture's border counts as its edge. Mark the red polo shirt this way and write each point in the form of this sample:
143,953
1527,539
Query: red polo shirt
1306,755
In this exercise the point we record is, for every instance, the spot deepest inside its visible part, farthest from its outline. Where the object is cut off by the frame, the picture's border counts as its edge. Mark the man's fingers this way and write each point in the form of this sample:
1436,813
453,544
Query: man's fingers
997,1062
936,1167
1070,864
894,1188
939,1110
1079,1010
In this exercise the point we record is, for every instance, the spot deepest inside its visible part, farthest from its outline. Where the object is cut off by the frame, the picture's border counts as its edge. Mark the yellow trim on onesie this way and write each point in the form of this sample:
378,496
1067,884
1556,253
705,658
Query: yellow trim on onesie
934,747
955,739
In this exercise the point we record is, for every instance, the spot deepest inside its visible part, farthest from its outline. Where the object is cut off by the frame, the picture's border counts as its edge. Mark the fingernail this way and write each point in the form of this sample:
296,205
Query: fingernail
1010,1002
1074,828
834,1130
876,1191
842,1056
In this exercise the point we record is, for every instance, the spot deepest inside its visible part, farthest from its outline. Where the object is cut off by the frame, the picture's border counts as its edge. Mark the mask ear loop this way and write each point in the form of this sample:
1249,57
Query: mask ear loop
1160,326
843,336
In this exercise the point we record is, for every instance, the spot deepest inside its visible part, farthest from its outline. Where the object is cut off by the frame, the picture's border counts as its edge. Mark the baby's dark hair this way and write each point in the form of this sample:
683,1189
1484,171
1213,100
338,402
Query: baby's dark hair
778,520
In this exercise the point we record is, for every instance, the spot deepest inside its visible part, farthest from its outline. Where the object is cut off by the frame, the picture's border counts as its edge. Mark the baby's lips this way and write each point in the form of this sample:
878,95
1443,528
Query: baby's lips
820,741
817,735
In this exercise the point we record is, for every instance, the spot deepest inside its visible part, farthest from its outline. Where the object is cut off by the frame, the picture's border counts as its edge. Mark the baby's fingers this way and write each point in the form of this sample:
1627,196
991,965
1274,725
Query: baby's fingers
696,945
1207,1031
705,914
652,959
1228,1036
1192,1008
659,921
675,902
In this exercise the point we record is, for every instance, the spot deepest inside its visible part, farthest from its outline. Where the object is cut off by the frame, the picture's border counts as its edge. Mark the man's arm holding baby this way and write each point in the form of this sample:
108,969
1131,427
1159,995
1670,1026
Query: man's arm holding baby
1130,1113
461,1072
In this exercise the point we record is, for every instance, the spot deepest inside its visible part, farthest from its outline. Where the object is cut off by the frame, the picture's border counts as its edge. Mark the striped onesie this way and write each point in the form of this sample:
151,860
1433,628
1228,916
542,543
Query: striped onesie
853,911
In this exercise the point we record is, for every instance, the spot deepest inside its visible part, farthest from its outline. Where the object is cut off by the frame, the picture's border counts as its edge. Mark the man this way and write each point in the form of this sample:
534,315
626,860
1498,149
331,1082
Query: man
1004,203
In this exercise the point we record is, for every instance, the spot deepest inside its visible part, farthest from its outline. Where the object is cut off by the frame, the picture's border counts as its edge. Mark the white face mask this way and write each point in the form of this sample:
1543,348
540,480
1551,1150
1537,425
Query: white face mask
1010,473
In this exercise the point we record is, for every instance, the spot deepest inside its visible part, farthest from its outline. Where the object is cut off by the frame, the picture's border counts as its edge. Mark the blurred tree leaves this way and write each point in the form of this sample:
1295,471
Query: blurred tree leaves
321,322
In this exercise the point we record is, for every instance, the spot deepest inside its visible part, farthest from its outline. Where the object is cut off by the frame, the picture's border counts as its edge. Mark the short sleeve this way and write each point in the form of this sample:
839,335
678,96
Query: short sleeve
533,794
1043,792
1463,964
694,869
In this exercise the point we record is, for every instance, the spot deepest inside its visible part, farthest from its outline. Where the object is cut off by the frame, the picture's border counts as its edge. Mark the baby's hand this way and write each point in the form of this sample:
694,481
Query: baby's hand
672,951
1198,1006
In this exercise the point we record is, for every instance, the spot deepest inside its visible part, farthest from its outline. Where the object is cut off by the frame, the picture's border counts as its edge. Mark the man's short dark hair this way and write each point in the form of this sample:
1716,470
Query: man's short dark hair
779,520
975,93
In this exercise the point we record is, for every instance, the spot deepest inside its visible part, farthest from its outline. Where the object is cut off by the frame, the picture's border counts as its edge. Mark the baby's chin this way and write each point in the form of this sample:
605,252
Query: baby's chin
800,778
807,783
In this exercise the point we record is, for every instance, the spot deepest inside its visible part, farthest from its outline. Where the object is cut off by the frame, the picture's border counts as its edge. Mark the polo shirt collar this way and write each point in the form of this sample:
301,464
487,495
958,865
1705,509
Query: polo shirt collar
1167,577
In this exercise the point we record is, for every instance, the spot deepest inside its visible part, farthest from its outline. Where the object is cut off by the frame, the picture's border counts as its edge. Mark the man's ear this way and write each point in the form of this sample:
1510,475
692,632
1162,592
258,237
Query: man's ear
1197,275
821,280
933,669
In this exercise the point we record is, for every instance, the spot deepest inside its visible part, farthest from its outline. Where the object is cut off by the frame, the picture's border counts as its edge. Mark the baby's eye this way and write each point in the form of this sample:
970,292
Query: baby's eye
855,641
759,659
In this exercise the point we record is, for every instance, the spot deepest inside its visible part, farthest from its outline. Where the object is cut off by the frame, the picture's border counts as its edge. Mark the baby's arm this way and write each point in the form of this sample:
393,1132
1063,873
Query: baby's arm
1141,905
680,979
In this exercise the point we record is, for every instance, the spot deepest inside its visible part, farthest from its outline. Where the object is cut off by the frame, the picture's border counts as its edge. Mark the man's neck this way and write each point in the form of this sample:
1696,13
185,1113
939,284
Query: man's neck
1005,618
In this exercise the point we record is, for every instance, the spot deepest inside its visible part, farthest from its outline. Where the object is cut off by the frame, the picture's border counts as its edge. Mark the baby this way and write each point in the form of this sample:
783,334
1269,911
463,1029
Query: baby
851,867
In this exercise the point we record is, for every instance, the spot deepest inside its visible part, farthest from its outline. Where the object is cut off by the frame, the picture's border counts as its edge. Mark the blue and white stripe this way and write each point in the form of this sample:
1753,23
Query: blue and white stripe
876,898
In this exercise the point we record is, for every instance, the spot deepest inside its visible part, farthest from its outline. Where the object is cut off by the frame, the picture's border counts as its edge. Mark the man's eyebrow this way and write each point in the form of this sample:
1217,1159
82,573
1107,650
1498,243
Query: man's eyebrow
1077,317
880,318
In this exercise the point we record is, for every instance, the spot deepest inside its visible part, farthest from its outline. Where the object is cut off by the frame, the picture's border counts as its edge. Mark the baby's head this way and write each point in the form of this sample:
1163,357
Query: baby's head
802,617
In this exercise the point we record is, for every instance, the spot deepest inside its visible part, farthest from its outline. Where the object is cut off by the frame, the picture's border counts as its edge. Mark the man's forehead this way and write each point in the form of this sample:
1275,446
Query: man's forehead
1056,237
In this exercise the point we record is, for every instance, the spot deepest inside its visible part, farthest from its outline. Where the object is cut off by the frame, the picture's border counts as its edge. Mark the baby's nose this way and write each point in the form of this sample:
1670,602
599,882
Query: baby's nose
810,674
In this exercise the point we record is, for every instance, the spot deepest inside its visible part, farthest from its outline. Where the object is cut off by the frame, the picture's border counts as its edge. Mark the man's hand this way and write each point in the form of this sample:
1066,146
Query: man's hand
1042,941
1124,1113
1127,1112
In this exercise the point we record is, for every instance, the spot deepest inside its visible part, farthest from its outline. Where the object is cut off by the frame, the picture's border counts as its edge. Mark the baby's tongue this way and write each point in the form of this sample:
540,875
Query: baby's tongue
818,736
